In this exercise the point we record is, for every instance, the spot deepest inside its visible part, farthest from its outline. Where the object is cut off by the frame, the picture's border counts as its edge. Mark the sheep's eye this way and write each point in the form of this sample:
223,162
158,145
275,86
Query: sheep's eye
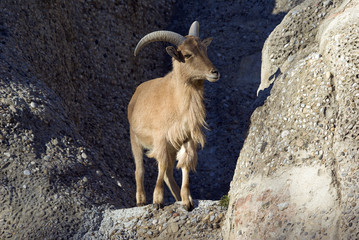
187,56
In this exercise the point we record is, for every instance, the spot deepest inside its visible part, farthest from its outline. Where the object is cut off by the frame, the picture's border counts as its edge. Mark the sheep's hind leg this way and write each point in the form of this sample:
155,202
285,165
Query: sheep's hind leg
169,179
137,151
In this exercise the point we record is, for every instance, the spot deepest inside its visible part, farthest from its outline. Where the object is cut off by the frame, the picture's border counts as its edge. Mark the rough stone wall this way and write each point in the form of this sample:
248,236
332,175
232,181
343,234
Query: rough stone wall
339,45
297,174
67,72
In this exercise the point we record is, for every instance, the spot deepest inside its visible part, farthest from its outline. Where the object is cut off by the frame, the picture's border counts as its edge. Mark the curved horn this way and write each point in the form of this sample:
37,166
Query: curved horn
194,29
159,36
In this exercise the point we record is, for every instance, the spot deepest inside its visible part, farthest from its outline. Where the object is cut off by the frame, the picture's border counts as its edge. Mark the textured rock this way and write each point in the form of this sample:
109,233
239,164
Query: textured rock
67,72
172,222
296,175
292,40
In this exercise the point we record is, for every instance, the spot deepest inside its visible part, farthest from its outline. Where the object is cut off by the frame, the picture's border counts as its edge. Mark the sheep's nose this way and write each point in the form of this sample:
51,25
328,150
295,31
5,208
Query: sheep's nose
213,76
214,72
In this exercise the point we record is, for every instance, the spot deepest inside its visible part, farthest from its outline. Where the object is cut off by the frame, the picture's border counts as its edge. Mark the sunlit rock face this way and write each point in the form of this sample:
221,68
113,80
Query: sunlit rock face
297,173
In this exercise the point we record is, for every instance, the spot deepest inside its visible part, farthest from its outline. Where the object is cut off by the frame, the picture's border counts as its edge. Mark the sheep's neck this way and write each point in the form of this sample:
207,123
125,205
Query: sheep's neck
192,110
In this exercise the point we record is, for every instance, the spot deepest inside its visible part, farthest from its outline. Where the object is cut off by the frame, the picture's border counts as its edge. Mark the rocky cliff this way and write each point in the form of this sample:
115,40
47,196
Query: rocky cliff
67,72
297,173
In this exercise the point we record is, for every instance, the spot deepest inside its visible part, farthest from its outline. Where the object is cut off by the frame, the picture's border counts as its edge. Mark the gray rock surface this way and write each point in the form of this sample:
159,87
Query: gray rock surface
171,222
67,72
297,173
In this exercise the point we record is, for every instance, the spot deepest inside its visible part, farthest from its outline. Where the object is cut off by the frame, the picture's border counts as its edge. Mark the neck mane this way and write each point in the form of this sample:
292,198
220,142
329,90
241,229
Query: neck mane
192,114
196,112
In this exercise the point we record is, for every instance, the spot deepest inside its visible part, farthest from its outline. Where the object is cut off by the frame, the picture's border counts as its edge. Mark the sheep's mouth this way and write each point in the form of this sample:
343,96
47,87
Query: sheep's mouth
212,77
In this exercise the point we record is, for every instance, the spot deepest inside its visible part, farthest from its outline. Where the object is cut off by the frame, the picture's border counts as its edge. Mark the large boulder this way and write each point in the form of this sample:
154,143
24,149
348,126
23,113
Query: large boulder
297,173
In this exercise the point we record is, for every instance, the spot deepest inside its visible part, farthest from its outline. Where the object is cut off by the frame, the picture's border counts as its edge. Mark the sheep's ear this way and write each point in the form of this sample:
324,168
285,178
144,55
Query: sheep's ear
207,41
172,51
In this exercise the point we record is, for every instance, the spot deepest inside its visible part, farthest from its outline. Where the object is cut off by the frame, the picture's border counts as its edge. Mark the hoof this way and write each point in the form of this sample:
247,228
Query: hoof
157,206
140,204
188,207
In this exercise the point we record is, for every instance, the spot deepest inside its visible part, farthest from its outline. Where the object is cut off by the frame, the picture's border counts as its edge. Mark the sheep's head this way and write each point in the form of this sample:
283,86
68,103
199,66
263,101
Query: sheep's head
190,54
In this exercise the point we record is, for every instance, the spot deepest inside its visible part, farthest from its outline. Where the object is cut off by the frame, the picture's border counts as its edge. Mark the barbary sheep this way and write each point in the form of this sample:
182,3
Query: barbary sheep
167,114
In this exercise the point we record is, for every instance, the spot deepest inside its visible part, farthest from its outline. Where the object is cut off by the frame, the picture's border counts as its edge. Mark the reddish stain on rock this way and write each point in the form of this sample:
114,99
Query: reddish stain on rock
259,213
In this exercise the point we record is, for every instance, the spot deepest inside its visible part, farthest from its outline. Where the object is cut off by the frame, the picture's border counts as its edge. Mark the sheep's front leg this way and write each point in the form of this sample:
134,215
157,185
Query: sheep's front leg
187,160
158,193
169,179
185,193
